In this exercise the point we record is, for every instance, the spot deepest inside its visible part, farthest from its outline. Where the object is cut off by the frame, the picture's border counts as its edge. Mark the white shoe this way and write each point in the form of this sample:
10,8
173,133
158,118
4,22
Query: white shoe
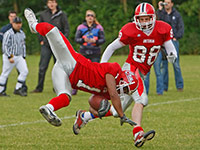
50,116
30,17
141,137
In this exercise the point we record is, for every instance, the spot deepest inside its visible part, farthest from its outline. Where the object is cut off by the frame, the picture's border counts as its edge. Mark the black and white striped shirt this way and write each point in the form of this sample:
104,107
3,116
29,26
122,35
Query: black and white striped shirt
14,43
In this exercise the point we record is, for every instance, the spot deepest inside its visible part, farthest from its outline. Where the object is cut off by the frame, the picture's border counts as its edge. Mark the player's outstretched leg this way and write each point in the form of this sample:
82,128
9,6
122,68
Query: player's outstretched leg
50,116
30,17
140,137
79,122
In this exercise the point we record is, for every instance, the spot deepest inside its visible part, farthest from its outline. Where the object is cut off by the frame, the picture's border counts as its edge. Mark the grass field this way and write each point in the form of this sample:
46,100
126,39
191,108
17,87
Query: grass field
174,116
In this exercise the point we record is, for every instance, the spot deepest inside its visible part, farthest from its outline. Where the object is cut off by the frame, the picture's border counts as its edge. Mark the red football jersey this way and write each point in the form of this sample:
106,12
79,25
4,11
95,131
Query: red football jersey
90,76
144,48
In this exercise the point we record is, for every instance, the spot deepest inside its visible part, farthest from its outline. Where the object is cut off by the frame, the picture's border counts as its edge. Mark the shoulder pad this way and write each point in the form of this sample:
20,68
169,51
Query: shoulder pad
162,27
129,29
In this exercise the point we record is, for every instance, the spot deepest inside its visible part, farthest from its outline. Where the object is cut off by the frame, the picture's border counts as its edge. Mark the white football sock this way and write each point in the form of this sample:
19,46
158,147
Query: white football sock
34,26
87,116
18,86
2,88
50,107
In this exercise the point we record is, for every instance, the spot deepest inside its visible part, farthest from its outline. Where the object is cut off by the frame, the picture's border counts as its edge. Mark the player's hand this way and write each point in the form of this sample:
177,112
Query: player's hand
92,40
124,119
160,7
42,43
11,60
171,58
87,40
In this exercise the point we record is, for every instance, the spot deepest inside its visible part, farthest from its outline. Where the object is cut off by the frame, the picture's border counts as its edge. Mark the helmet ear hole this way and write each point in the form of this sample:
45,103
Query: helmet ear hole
129,83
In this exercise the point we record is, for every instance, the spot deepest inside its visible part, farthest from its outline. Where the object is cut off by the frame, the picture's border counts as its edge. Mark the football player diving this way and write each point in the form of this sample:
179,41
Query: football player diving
72,70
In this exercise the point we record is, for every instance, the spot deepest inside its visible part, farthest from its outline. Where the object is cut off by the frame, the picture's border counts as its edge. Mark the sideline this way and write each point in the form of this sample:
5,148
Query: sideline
69,117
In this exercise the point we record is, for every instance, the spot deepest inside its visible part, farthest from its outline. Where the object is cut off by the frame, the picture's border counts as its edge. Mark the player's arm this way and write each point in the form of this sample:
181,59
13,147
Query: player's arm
171,51
7,44
24,47
116,44
111,85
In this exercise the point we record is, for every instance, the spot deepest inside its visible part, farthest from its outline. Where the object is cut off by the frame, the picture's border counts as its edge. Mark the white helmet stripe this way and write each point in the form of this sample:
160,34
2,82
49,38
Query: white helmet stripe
145,7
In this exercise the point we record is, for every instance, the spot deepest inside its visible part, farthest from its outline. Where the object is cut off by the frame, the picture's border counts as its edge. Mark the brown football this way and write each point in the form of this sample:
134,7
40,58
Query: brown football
95,101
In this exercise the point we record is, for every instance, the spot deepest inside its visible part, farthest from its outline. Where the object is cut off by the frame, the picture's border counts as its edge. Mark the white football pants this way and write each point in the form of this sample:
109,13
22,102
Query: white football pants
65,63
19,63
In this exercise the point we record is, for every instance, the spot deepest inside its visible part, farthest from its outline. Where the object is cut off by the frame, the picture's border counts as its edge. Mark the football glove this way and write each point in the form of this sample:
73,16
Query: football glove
104,108
124,119
171,58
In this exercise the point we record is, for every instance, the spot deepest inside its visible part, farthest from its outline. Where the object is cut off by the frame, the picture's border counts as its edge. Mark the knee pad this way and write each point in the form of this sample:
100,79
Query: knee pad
143,99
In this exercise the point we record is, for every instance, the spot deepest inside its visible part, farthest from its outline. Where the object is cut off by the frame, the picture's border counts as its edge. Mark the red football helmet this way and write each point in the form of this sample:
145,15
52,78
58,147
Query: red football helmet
128,83
145,9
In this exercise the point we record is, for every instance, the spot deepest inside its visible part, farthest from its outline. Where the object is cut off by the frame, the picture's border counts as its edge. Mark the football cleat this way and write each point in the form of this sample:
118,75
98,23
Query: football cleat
141,137
4,94
30,17
79,122
50,116
20,92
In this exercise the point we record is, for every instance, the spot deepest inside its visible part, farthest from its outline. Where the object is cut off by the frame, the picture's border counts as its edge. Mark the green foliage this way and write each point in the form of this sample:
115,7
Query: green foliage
111,15
190,11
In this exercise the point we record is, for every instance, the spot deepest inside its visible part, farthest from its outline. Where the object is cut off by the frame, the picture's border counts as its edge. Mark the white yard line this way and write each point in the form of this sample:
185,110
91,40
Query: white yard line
176,101
34,122
69,117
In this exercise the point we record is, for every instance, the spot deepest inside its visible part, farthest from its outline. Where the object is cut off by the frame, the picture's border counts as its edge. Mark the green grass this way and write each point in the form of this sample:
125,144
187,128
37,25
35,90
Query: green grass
174,116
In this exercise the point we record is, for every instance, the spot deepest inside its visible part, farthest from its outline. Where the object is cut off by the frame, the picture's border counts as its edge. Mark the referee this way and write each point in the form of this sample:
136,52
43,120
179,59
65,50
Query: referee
14,53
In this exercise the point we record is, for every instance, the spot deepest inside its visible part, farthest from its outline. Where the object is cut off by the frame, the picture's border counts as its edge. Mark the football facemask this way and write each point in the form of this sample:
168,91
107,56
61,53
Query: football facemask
128,83
145,9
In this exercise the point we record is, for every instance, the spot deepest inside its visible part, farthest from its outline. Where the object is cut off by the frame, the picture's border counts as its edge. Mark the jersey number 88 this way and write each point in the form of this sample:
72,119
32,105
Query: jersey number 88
140,54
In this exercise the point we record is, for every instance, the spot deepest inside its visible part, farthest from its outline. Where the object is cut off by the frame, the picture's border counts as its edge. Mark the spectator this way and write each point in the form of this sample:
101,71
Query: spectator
159,76
170,15
55,16
14,53
90,35
11,16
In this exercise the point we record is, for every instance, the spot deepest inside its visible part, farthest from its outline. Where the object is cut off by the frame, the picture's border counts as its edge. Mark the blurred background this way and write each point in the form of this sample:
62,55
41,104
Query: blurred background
112,15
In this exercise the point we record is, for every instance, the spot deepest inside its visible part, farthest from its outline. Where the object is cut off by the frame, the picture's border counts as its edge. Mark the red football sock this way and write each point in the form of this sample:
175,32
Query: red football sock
107,114
43,28
60,101
137,129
